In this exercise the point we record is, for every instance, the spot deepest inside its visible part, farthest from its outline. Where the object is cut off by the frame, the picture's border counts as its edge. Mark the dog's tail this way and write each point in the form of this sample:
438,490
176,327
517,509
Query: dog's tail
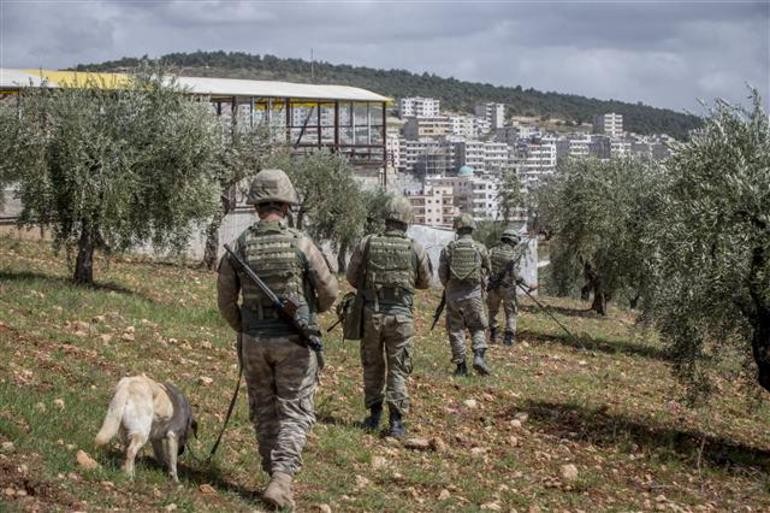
114,415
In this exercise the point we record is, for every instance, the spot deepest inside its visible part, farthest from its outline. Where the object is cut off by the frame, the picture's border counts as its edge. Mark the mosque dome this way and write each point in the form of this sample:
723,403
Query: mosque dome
466,171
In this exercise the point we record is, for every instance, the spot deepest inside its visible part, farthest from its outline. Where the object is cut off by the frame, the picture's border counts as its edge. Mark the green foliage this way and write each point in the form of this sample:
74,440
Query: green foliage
711,244
596,213
510,195
112,169
489,232
454,94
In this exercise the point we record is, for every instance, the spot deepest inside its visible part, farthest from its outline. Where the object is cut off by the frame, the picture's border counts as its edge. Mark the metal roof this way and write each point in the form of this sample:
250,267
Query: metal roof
18,78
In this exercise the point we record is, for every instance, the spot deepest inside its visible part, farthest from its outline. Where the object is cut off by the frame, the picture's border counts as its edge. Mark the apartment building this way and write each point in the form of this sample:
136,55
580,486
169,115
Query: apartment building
609,124
418,106
494,113
473,194
426,127
433,205
462,126
470,153
537,157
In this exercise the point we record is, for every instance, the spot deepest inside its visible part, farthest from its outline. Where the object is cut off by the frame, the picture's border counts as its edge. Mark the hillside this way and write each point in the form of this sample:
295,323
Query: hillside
454,94
609,409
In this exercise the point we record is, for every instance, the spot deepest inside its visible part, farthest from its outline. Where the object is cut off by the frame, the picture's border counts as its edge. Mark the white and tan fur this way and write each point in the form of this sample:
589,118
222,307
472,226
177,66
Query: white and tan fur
143,410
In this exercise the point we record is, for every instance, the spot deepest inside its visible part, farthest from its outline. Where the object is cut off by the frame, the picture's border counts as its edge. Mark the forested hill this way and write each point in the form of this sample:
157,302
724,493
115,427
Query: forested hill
454,94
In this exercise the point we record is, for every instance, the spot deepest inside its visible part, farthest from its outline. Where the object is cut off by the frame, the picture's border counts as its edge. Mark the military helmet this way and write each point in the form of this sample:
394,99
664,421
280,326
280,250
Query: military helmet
464,221
511,234
271,186
399,209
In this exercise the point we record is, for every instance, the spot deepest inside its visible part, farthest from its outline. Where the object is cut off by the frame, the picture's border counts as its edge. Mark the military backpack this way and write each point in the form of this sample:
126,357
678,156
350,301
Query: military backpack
465,261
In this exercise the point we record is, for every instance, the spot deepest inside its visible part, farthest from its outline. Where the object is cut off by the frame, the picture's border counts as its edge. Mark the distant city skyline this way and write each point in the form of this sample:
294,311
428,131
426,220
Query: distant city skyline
665,54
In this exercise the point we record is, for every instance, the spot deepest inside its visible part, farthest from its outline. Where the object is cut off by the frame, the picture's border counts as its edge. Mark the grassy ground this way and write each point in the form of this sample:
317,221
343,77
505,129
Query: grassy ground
610,409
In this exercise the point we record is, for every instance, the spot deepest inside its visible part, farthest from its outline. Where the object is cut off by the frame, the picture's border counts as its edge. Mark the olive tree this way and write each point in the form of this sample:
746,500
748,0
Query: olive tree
510,196
595,214
711,244
109,168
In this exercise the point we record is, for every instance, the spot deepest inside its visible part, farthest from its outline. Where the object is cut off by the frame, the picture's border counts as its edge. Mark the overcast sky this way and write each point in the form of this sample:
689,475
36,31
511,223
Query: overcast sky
666,54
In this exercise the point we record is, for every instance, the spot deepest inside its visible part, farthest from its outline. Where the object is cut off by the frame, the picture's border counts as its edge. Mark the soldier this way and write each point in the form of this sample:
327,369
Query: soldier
463,267
505,259
387,269
280,374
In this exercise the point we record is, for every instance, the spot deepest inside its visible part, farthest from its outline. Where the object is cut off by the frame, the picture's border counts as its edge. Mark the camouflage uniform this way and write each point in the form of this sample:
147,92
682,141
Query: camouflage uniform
463,266
504,259
387,269
280,375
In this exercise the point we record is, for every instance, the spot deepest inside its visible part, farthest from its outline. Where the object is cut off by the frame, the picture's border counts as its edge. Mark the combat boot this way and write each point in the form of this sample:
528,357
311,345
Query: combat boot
396,429
278,493
372,422
493,334
462,369
479,364
510,338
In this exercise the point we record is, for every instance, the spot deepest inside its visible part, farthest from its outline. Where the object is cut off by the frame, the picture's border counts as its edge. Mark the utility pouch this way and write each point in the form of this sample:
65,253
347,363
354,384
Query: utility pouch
351,310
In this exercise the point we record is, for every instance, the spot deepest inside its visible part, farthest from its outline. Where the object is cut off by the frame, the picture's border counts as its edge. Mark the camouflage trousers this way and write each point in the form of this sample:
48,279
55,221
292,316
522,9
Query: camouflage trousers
386,359
461,314
506,296
281,379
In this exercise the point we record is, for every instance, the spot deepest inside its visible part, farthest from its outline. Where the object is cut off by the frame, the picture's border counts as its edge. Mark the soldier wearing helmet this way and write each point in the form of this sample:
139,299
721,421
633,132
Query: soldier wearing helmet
463,267
386,269
280,375
505,259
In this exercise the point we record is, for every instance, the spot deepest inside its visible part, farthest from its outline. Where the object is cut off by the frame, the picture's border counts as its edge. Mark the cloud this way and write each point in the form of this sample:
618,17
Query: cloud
666,54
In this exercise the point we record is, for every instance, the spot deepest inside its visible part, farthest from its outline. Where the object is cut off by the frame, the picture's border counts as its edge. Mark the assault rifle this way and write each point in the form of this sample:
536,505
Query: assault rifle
497,280
439,309
287,309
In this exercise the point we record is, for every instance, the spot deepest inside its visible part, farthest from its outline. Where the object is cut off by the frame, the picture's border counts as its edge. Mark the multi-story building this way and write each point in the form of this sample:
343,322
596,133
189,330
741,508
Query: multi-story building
481,126
393,146
437,159
494,113
610,124
537,157
433,205
470,153
600,147
418,106
424,127
462,126
619,148
496,155
473,194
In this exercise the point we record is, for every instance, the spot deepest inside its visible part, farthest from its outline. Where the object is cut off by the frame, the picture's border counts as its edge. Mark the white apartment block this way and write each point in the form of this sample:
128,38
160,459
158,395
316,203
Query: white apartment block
610,124
494,113
619,148
474,195
433,205
417,106
393,147
481,126
462,126
496,155
470,153
537,158
579,146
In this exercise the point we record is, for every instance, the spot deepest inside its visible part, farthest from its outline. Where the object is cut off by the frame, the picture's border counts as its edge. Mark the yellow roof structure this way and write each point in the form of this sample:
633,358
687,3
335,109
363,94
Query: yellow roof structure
14,79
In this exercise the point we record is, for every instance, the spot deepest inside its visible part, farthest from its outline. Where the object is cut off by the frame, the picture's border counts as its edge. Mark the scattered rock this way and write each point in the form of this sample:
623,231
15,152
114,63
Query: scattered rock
478,451
438,445
59,403
40,407
10,492
513,441
516,423
127,337
205,380
362,482
85,461
492,506
105,338
534,509
470,403
444,495
207,489
98,318
569,473
7,447
521,416
582,363
418,444
171,507
324,508
379,462
129,329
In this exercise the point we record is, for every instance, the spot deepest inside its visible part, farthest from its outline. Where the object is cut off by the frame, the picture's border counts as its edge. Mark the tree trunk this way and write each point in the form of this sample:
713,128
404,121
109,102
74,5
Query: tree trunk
600,298
342,263
84,265
760,345
588,275
211,250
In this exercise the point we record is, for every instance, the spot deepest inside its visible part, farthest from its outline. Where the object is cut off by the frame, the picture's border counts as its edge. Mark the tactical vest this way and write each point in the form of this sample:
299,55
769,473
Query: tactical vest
271,251
465,261
389,268
500,256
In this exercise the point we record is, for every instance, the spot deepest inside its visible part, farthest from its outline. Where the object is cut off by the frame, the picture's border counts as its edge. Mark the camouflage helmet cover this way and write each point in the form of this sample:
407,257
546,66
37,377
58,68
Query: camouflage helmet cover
510,234
464,221
399,209
272,185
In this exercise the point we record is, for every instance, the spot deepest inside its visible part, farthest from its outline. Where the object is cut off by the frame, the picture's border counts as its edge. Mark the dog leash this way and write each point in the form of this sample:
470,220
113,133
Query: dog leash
230,408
